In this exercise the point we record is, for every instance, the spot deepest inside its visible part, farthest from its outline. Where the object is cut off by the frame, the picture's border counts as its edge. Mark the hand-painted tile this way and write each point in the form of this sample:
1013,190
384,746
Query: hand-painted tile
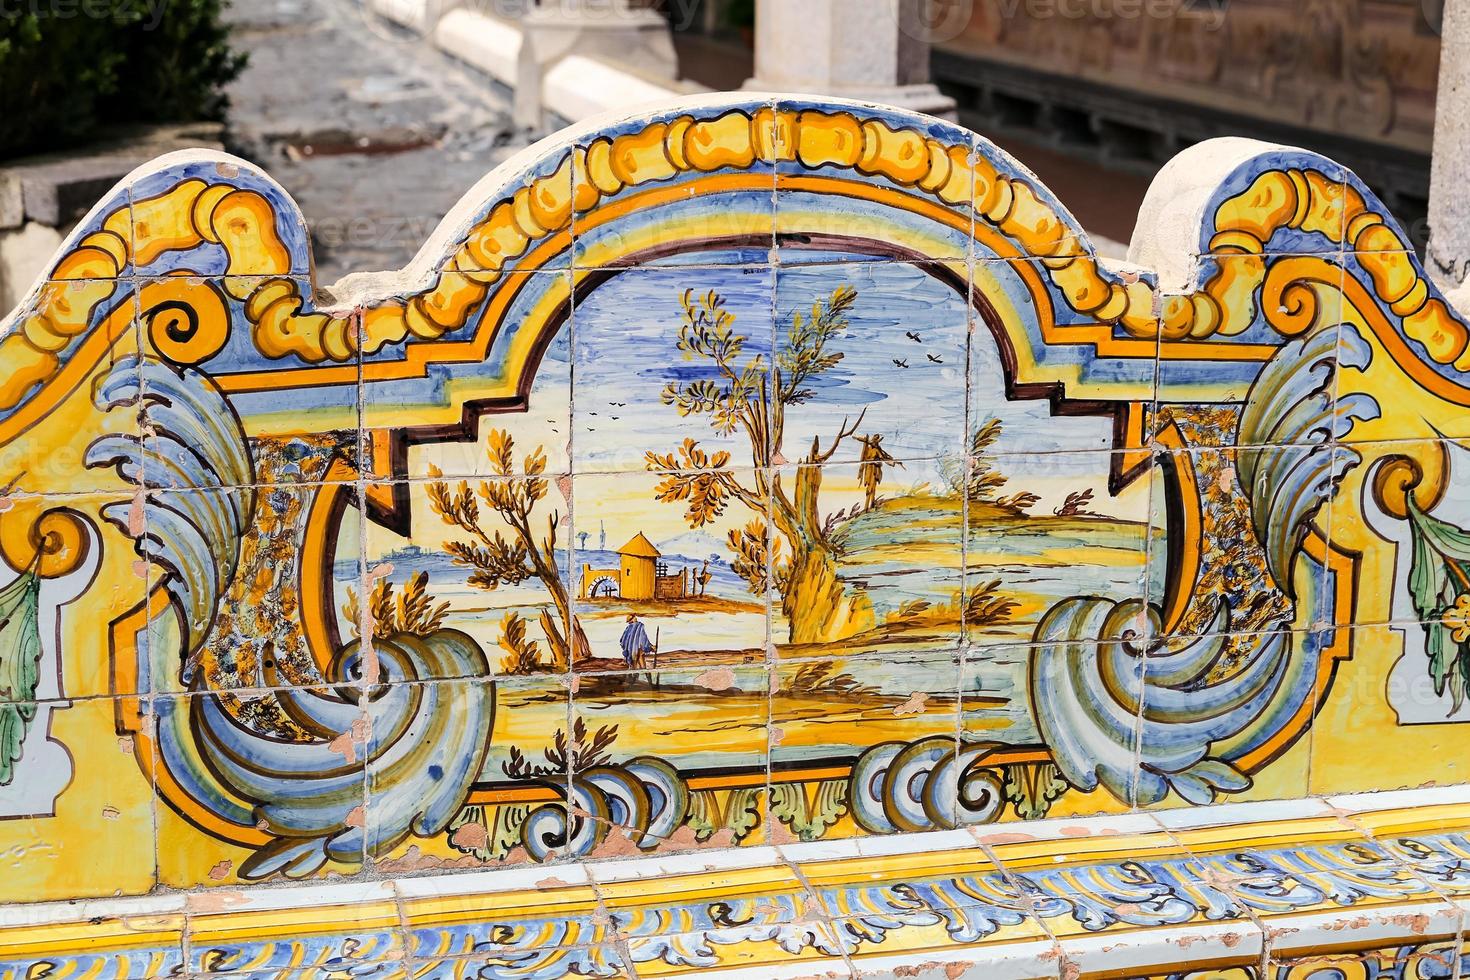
818,204
858,568
1230,717
424,745
1258,558
1006,416
1424,830
693,741
725,903
523,778
523,225
1284,872
212,417
1427,958
55,429
480,563
870,361
1286,347
1417,715
286,617
528,915
594,961
454,411
805,949
143,937
1041,529
1220,951
883,725
672,369
353,927
206,214
46,784
949,896
709,174
1119,874
1401,513
1402,348
1017,701
669,569
1407,498
53,563
213,758
881,504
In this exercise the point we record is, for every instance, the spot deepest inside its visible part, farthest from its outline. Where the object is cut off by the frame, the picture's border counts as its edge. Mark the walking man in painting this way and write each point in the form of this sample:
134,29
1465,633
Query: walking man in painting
635,642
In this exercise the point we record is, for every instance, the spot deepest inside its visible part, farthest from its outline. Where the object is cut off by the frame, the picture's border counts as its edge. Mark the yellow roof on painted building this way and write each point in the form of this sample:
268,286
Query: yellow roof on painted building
639,547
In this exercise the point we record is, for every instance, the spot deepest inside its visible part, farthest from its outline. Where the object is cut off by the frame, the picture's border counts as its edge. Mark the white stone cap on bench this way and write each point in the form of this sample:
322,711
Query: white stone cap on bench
1242,886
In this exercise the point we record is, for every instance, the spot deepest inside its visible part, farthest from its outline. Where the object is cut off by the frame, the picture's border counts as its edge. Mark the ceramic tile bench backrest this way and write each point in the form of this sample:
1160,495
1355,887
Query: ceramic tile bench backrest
757,470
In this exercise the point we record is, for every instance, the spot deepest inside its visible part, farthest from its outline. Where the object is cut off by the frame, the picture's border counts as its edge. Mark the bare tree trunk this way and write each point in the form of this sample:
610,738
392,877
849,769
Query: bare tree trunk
817,605
564,654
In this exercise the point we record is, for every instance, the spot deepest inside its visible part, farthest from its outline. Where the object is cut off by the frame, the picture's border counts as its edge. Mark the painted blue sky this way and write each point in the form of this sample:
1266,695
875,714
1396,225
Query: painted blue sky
913,389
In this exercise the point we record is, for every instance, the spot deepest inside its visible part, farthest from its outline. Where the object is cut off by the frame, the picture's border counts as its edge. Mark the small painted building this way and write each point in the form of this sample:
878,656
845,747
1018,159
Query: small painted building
640,576
639,568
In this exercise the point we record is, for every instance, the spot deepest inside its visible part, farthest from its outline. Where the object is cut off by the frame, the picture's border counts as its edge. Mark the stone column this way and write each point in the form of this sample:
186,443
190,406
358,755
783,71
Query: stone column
1449,182
873,50
634,37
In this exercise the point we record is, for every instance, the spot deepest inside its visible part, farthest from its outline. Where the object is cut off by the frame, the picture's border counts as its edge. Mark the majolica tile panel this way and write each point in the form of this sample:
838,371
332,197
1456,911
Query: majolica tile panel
751,473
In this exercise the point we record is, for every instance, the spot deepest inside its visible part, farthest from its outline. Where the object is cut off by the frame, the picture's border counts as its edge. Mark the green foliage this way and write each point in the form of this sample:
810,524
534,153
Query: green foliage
1439,585
20,661
1033,787
66,68
738,14
737,810
809,820
707,333
805,354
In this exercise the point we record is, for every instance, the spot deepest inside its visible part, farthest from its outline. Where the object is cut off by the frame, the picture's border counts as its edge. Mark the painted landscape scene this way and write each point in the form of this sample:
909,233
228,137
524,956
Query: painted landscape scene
807,489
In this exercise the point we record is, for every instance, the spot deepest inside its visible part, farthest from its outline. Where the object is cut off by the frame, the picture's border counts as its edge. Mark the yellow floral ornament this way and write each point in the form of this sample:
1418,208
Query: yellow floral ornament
1457,619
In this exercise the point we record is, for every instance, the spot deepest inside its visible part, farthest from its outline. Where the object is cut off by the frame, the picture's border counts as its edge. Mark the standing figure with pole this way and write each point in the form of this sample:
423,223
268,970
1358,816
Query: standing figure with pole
635,643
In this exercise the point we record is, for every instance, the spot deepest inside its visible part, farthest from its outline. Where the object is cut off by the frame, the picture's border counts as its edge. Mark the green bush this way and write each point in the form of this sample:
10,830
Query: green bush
70,66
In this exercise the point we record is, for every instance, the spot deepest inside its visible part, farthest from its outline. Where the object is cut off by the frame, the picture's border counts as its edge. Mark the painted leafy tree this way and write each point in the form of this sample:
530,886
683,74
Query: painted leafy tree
498,560
20,661
1439,584
750,397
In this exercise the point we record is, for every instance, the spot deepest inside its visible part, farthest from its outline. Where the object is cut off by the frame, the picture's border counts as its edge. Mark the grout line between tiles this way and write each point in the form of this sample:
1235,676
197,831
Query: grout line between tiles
1031,903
